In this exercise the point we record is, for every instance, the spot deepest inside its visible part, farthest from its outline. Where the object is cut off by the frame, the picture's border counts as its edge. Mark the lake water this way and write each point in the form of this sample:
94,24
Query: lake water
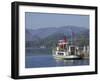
33,60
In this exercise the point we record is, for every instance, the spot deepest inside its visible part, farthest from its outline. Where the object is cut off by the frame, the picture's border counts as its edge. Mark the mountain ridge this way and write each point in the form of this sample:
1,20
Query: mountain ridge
50,36
45,32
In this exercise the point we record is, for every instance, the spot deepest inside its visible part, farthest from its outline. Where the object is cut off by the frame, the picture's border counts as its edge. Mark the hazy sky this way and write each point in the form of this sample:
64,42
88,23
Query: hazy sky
44,20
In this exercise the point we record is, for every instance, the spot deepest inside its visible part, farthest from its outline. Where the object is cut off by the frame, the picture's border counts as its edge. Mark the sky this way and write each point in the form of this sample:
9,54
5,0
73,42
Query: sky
35,20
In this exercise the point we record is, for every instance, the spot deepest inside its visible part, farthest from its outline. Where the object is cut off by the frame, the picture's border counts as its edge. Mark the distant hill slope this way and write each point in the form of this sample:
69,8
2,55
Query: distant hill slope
49,36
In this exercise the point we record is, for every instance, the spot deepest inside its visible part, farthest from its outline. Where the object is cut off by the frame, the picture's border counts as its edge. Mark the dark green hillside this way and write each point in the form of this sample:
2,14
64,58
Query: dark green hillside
38,40
50,41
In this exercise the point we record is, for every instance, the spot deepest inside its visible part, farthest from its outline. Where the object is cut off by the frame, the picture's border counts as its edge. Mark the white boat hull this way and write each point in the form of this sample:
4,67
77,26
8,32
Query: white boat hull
66,57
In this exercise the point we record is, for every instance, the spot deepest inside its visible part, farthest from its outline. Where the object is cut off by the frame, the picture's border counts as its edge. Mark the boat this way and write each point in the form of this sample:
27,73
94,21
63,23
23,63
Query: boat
63,50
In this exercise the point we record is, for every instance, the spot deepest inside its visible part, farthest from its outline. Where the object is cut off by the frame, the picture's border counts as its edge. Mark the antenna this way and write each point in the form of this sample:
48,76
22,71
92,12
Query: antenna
72,37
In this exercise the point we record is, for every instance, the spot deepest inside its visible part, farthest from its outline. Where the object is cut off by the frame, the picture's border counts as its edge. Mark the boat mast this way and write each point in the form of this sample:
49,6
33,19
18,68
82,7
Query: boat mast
71,36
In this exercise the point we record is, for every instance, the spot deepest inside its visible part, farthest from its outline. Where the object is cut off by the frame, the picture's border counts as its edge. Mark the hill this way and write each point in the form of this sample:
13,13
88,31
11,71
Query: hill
48,37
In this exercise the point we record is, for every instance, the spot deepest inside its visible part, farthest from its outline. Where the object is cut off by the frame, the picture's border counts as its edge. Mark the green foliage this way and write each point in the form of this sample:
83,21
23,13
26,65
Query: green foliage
51,41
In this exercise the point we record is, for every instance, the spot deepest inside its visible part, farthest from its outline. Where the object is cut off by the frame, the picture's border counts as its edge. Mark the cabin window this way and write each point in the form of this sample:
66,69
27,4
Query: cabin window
72,50
60,53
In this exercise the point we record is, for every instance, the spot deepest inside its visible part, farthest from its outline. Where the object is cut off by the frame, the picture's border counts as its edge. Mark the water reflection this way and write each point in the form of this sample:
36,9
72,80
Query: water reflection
71,62
64,62
32,61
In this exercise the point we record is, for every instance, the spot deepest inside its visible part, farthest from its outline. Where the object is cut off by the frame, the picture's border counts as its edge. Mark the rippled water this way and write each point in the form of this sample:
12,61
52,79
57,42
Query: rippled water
36,61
